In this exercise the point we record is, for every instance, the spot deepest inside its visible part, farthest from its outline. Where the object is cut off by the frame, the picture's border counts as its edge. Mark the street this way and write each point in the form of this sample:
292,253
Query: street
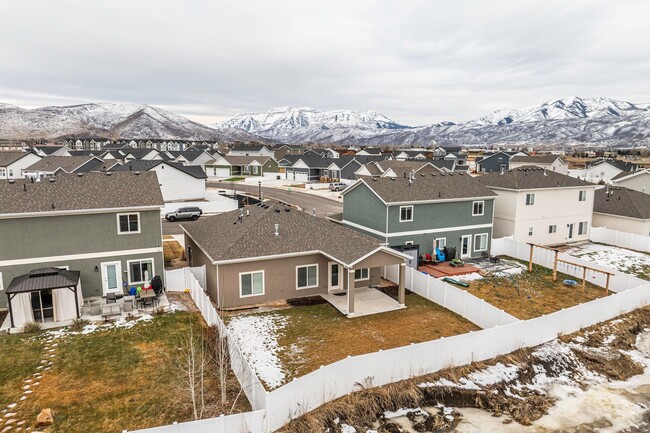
323,206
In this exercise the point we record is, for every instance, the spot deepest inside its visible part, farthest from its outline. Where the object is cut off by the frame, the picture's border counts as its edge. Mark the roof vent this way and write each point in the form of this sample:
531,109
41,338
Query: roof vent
53,207
392,178
80,175
277,229
12,181
277,210
51,180
24,187
422,174
286,209
137,173
108,173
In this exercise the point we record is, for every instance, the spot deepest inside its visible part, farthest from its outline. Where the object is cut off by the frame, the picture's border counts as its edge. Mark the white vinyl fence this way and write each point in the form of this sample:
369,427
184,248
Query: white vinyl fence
503,335
476,310
219,204
631,241
249,422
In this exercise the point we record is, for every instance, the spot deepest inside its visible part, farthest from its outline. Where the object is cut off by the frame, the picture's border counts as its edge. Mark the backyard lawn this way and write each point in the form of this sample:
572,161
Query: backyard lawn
291,342
527,295
106,379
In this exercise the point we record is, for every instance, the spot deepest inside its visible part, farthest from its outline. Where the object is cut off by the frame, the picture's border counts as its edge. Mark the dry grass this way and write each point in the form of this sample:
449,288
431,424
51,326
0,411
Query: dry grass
318,335
113,380
530,295
172,251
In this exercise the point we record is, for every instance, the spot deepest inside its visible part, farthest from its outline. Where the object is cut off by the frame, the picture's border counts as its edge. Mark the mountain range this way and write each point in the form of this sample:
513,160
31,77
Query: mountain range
567,121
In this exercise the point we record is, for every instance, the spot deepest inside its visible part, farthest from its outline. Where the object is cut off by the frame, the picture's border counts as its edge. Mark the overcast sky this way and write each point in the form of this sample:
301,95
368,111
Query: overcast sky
418,62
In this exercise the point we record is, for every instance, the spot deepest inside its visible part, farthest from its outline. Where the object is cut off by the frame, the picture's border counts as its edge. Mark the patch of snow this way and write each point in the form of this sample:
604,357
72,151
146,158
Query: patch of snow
346,428
495,374
402,412
257,338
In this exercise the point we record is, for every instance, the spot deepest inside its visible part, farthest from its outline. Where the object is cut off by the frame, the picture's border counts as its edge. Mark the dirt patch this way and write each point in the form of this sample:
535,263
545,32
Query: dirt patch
173,251
307,300
184,299
517,395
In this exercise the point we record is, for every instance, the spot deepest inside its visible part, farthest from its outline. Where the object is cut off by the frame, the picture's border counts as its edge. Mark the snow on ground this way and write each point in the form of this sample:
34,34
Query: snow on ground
257,338
619,259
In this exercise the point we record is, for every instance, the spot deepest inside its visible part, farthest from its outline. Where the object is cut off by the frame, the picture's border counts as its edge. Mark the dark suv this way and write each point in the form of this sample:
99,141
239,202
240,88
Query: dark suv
184,213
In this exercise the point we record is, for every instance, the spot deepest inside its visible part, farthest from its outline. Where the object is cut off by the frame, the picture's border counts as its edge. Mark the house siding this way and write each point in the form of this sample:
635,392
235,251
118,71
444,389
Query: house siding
361,206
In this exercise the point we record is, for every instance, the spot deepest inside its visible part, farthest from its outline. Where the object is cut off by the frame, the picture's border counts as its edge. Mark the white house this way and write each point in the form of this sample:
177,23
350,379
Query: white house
541,206
605,170
637,180
549,162
252,150
178,182
13,164
622,209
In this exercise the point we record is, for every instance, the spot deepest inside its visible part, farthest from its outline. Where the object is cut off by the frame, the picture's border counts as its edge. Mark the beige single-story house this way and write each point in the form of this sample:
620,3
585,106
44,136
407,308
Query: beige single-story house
270,252
622,209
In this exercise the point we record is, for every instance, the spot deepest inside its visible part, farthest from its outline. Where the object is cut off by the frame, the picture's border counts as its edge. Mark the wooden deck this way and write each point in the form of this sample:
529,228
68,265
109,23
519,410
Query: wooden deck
446,270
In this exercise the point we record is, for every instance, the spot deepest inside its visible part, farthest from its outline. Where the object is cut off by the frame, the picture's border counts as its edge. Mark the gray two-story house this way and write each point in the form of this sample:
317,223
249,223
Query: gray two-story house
423,212
105,227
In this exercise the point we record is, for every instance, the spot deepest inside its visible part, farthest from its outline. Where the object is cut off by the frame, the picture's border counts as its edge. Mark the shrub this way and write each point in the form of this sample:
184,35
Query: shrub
78,324
32,327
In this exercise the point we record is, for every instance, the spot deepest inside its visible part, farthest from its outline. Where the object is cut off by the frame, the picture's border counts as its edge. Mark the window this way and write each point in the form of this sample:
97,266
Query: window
530,231
128,223
582,228
306,276
408,243
361,274
440,243
530,199
405,213
2,287
11,172
477,208
140,271
480,242
245,169
2,172
251,284
552,228
582,195
255,169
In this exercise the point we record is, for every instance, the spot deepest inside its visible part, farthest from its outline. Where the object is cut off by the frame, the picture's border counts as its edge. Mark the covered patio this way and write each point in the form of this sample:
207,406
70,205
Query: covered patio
366,301
44,295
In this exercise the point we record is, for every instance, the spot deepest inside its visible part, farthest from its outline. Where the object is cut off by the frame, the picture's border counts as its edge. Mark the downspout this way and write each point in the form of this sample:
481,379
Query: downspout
386,231
218,290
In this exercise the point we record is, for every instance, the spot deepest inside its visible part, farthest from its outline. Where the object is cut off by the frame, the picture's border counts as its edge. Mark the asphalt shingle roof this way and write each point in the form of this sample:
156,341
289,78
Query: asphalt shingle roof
530,177
144,165
222,237
53,163
73,192
7,158
621,165
622,202
535,159
427,187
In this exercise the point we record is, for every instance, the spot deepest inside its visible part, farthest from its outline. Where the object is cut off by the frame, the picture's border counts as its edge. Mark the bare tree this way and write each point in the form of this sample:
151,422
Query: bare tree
191,363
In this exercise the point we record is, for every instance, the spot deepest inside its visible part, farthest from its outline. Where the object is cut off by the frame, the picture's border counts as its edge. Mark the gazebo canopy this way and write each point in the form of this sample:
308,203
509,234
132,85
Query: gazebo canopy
43,279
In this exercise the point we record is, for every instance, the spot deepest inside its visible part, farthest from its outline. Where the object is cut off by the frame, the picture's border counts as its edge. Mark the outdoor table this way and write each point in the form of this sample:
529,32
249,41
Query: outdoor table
147,294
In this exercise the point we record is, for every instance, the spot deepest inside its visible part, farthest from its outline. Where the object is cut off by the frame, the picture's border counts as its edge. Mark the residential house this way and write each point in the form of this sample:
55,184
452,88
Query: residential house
622,209
267,253
177,182
51,150
403,155
637,180
311,168
604,170
281,150
422,212
441,151
541,206
550,162
191,157
370,151
53,165
230,166
493,162
396,168
13,164
105,227
252,150
141,154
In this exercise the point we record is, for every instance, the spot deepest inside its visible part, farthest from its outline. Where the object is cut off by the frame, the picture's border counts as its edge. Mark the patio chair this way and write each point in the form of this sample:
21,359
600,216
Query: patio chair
426,259
129,303
111,298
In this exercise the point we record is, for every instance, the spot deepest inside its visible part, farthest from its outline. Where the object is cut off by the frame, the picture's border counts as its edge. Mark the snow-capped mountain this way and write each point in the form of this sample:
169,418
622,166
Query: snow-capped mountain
568,121
112,121
301,125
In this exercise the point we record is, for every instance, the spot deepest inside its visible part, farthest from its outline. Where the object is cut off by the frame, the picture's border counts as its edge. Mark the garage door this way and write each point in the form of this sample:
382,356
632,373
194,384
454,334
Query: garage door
302,176
222,172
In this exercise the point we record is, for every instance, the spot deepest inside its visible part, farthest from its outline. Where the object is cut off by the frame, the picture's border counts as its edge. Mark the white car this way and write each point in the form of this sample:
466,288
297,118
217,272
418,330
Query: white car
337,186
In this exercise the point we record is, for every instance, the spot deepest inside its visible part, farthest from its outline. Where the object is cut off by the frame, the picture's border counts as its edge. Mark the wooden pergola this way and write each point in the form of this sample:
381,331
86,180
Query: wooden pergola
40,280
557,260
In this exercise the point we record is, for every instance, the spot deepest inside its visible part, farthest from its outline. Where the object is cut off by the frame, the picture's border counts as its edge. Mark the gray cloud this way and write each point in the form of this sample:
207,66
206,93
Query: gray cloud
418,62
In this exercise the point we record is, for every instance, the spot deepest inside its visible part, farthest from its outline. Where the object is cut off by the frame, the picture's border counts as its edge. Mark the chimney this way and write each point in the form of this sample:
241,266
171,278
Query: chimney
277,229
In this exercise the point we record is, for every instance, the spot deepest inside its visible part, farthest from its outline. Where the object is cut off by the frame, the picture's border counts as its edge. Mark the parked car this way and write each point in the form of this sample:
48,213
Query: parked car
337,186
184,213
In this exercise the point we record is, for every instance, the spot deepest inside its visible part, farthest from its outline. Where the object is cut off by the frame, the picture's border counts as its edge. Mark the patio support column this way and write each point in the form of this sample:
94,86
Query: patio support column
76,301
401,291
11,311
350,291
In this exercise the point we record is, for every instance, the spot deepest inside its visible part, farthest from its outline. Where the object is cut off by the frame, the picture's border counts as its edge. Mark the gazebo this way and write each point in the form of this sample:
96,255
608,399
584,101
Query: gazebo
43,280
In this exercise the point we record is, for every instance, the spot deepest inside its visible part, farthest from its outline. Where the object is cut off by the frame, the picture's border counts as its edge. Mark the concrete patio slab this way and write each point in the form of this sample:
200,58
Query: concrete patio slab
366,301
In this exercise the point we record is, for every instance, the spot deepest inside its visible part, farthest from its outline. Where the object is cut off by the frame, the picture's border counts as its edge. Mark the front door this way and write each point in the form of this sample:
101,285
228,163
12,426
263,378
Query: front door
466,246
334,276
111,277
570,230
